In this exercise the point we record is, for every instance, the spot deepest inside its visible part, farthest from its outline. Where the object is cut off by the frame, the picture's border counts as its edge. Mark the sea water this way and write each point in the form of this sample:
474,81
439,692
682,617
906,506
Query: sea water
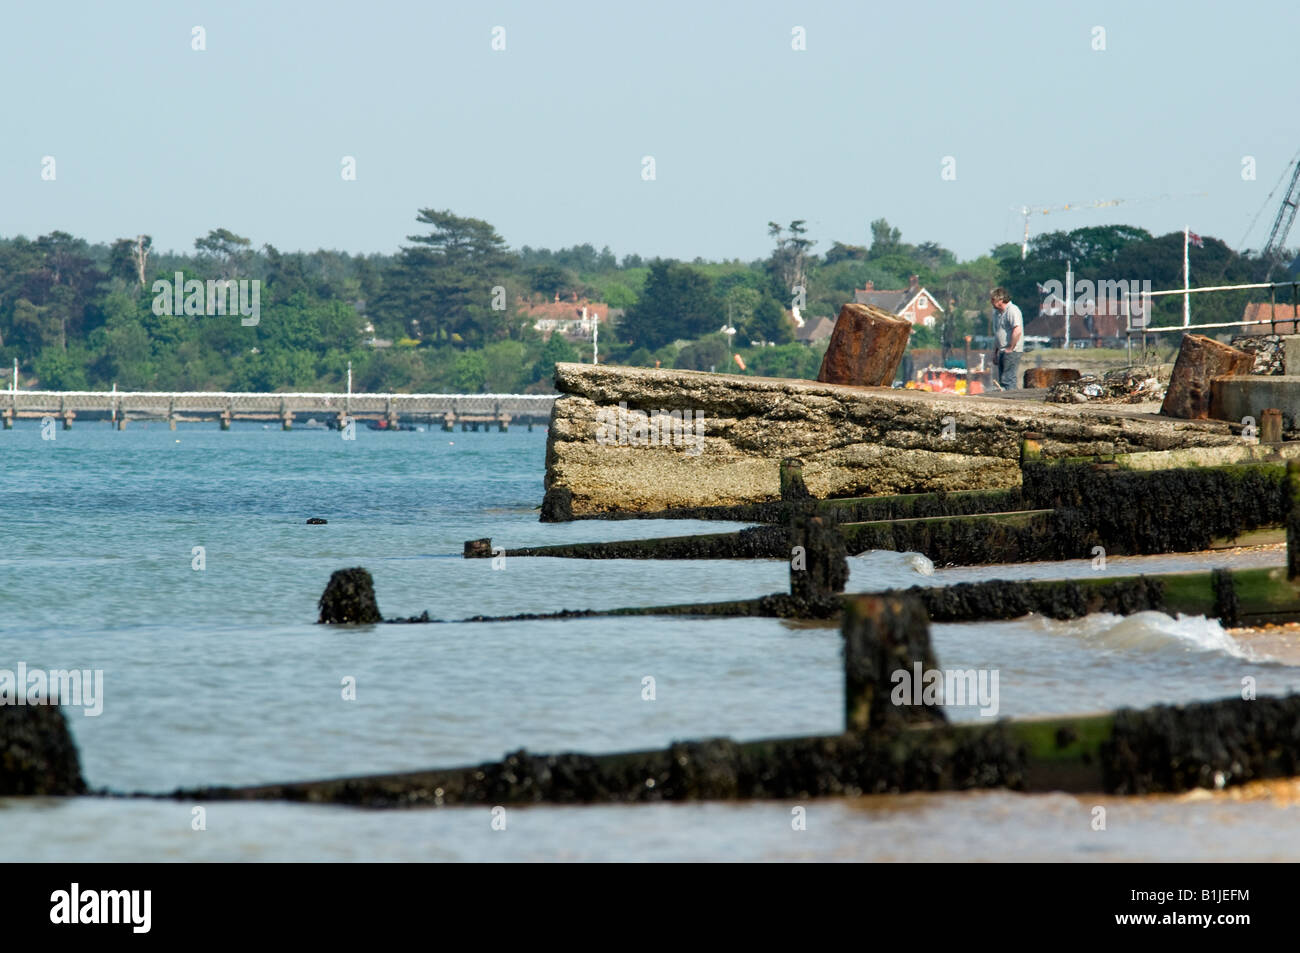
180,565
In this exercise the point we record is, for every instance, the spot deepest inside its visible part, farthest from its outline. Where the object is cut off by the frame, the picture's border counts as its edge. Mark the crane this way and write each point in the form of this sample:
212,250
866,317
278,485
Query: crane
1026,211
1285,216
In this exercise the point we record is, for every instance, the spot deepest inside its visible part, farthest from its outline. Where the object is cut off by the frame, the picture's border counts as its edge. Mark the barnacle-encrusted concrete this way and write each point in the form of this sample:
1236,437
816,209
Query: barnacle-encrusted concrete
854,441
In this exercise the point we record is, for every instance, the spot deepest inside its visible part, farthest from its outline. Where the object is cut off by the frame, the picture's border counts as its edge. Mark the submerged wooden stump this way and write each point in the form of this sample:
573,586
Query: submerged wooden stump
1200,361
819,567
865,347
886,648
349,597
37,754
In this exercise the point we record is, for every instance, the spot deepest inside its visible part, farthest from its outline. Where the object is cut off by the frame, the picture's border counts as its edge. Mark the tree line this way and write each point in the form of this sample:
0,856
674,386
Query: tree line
452,304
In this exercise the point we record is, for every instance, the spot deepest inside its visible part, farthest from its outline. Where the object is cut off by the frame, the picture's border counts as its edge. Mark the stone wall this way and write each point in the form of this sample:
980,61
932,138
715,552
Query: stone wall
854,441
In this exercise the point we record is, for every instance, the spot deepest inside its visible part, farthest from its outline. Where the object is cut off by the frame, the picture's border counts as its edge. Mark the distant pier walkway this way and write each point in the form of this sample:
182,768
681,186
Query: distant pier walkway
470,411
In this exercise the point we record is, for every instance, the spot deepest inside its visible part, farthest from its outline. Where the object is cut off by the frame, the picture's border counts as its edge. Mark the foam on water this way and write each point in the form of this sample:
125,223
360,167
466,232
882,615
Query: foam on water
877,569
1150,632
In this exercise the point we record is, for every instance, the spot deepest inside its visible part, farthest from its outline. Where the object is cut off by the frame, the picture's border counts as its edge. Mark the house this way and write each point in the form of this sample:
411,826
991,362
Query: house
1265,311
913,302
814,330
1092,324
369,339
574,317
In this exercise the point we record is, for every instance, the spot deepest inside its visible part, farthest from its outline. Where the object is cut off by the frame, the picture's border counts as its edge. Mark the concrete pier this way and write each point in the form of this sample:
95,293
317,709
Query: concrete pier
606,454
403,410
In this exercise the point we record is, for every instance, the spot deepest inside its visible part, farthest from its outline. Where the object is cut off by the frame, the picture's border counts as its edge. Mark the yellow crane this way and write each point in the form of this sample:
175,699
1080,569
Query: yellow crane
1028,211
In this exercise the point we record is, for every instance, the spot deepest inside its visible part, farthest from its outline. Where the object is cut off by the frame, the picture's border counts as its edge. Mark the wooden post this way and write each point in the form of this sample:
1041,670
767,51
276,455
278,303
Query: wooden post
349,597
1031,449
791,480
67,419
286,421
225,420
865,347
503,423
1270,426
121,422
1200,360
818,560
449,421
883,636
38,755
9,418
1292,519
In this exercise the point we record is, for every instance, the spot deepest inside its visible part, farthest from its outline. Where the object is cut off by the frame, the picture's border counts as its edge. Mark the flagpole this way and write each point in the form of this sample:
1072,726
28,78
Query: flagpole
1069,302
1187,298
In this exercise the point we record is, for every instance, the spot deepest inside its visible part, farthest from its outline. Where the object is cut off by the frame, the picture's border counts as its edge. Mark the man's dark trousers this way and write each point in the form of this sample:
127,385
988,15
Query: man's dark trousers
1009,370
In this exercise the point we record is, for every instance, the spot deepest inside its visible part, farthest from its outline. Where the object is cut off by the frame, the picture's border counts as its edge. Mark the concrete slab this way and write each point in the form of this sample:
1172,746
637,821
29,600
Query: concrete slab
613,447
1235,398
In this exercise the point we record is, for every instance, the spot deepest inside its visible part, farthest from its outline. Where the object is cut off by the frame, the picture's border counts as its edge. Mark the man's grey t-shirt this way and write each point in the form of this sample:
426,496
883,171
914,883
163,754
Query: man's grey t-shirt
1004,321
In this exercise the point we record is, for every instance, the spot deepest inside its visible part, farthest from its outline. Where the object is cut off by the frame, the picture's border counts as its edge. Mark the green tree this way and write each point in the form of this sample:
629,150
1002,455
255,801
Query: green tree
505,366
707,354
739,304
470,372
556,350
57,369
678,302
446,282
885,240
223,254
771,323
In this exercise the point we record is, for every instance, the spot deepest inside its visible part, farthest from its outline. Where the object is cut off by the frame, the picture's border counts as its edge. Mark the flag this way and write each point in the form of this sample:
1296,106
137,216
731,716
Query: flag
1195,239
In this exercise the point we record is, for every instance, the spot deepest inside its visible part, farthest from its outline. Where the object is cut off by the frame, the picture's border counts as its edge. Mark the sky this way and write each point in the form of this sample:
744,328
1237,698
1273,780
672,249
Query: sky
944,118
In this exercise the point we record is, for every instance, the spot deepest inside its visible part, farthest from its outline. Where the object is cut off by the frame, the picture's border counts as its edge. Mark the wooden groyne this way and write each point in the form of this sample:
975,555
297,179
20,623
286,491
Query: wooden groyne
448,411
891,742
1063,509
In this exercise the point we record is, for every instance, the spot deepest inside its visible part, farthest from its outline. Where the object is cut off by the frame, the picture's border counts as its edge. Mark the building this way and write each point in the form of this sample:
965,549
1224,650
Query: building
1104,328
814,330
1284,314
573,317
913,302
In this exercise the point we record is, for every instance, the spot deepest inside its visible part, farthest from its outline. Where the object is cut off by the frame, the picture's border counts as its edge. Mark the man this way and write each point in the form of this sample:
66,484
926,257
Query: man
1009,329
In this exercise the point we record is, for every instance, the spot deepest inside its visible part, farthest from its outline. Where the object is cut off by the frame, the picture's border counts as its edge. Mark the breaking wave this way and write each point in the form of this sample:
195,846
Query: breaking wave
878,569
1152,632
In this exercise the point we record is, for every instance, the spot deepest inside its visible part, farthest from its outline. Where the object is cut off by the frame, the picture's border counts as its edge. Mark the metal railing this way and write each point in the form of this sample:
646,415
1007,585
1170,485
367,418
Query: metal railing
1145,328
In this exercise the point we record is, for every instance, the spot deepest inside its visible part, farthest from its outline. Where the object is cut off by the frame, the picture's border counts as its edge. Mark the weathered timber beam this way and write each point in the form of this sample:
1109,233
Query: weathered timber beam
840,509
947,540
891,744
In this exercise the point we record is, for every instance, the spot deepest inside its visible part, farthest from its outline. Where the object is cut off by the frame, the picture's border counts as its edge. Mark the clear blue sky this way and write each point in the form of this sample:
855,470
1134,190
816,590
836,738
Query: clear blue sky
545,139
